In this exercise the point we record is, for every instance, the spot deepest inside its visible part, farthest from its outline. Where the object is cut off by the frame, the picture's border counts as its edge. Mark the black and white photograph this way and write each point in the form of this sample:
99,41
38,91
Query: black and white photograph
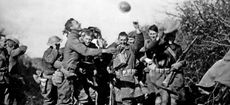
114,52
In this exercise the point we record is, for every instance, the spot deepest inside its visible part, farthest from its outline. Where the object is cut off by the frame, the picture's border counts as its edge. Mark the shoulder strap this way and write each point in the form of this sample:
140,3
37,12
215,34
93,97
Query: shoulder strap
172,52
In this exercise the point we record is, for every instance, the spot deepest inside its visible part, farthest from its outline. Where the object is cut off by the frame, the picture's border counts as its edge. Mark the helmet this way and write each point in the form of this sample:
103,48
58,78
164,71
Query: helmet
54,40
13,39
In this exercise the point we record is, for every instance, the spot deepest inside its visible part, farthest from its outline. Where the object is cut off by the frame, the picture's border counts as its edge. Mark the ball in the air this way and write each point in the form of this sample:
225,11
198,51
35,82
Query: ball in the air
124,6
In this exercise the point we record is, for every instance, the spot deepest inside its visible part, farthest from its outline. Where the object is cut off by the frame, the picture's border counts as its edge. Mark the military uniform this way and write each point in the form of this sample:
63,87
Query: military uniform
125,74
48,90
164,55
4,79
73,49
87,75
15,91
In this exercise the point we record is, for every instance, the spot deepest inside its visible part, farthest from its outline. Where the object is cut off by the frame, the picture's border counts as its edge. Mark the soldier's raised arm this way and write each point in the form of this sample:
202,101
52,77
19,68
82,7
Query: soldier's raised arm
85,51
139,38
19,51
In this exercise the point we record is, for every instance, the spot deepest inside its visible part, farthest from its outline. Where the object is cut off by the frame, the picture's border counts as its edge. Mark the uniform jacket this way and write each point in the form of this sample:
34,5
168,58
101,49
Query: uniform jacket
89,59
74,48
161,52
13,58
49,57
131,50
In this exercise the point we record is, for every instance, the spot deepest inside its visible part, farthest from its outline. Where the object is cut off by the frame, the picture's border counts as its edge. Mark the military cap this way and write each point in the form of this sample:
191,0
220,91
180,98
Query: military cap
54,40
13,39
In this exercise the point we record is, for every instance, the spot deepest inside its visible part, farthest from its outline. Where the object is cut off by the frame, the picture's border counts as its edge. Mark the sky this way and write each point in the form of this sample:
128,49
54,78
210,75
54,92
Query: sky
34,21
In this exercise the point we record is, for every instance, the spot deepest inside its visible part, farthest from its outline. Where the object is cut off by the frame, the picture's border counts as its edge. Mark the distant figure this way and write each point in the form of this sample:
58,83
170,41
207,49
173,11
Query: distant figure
15,90
4,74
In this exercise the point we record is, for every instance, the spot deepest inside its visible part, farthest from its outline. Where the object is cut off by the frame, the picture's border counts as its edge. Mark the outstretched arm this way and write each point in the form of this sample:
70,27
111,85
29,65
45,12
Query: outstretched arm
19,51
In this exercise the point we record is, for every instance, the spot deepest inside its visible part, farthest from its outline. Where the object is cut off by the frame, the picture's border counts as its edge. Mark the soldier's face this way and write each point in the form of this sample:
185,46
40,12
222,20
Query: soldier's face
152,34
123,40
75,25
131,40
87,39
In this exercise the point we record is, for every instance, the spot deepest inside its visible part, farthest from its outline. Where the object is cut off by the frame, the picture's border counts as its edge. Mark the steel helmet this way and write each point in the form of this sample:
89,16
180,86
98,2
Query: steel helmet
54,40
14,40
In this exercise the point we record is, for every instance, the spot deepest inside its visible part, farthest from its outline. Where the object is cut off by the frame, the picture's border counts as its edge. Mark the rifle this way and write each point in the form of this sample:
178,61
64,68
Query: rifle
172,74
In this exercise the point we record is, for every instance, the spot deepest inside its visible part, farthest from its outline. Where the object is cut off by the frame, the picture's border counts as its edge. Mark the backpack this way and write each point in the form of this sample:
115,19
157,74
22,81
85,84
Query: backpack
120,60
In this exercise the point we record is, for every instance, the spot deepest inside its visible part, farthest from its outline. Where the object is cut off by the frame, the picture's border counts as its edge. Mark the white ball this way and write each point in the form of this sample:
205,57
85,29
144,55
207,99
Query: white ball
124,6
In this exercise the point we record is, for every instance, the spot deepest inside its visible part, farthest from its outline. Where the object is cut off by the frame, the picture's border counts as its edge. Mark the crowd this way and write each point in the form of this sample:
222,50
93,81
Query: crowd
139,68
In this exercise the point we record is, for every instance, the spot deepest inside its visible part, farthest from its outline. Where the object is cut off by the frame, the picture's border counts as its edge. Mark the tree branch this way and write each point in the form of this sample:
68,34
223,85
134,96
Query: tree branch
217,43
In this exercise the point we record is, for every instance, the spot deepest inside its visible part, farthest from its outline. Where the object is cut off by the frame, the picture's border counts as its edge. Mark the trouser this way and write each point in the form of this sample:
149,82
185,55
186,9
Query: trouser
66,93
14,93
49,93
164,97
3,88
89,71
126,86
124,92
84,90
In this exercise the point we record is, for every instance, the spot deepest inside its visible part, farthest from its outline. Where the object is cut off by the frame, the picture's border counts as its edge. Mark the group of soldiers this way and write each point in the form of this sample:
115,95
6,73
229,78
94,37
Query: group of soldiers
87,71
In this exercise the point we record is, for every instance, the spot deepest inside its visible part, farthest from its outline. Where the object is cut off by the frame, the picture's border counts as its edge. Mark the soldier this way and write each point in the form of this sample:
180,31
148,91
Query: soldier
15,90
87,67
166,53
73,49
48,90
4,79
149,54
124,68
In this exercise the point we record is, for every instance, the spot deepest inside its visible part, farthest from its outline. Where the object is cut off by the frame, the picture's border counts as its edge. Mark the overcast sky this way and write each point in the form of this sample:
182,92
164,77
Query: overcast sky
33,21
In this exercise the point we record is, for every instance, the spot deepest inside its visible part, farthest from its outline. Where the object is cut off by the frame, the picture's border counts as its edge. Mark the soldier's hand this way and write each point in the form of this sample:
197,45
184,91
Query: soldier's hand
109,50
36,78
137,27
83,71
177,65
142,49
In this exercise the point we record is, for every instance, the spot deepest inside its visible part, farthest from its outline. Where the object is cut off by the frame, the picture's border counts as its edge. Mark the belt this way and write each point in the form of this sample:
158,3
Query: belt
162,70
126,72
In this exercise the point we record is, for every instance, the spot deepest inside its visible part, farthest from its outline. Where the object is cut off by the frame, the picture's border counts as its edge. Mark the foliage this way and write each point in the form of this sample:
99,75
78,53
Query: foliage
210,21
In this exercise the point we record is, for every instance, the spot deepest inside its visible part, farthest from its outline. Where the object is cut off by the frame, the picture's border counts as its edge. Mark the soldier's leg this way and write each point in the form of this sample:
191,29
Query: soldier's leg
158,100
164,97
65,93
7,96
83,90
2,93
173,99
127,92
151,87
49,92
177,86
